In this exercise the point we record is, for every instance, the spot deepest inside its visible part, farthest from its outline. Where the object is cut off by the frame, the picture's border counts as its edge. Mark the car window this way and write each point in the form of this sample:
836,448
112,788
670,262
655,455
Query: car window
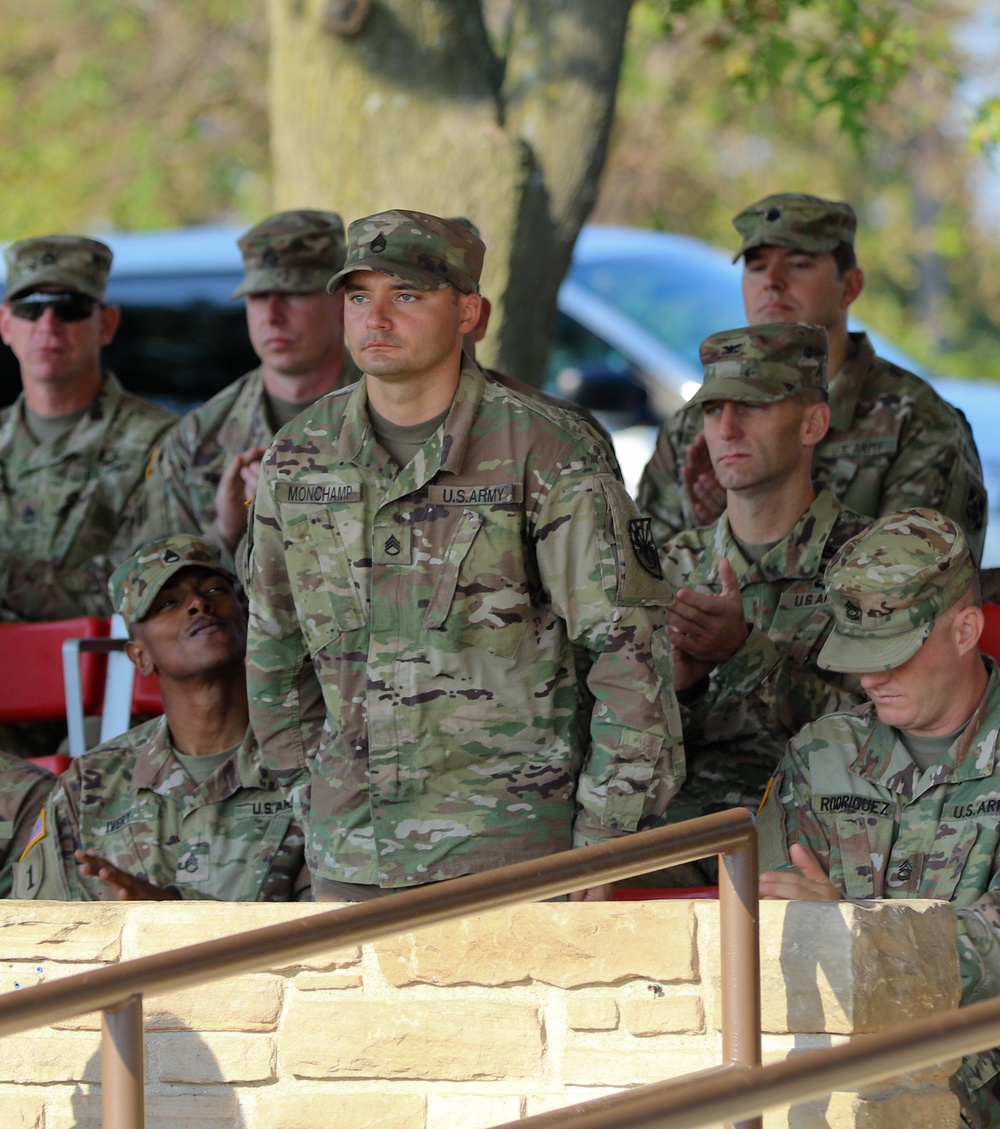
678,299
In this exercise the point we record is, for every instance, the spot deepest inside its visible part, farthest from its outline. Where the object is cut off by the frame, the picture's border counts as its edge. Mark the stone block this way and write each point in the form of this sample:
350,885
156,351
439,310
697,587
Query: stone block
587,1013
337,979
244,1003
46,1056
615,1062
23,1108
163,1111
567,944
473,1111
662,1016
162,926
203,1059
302,1106
852,967
61,931
453,1040
843,1110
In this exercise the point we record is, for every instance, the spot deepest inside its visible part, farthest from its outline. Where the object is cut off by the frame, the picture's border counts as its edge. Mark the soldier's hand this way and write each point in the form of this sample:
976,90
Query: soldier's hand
705,497
808,883
709,627
127,887
594,894
688,671
236,488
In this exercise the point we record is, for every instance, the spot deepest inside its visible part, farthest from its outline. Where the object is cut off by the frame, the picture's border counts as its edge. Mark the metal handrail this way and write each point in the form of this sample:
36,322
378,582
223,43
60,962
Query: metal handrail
117,990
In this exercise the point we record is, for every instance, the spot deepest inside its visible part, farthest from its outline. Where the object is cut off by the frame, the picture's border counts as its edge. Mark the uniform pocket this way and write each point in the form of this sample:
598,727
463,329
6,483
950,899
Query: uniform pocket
319,572
481,595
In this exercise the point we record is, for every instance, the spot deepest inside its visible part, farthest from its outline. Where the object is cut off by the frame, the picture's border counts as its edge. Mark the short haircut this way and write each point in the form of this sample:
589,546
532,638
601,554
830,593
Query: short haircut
845,258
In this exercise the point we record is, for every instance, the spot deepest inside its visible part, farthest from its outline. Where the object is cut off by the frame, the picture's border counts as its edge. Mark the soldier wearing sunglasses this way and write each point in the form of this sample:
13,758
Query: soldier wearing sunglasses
75,446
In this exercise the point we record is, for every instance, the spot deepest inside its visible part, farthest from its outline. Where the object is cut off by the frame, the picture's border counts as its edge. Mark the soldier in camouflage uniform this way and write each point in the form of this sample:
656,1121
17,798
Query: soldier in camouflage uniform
208,465
901,798
893,441
751,613
180,807
24,788
458,655
74,447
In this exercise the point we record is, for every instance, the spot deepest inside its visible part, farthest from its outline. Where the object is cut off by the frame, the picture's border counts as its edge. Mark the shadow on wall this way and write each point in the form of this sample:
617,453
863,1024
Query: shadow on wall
184,1083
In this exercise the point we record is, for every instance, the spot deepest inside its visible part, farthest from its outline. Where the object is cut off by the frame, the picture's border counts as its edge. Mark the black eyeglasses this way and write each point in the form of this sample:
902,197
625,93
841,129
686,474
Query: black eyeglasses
66,305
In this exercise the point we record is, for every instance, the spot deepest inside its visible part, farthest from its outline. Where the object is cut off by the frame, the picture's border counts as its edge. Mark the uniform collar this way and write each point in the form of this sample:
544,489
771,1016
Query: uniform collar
797,556
247,423
847,385
89,430
444,451
158,769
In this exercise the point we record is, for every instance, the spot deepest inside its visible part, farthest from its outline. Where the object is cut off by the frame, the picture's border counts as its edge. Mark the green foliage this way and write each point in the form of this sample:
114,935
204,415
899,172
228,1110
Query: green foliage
694,143
131,115
839,55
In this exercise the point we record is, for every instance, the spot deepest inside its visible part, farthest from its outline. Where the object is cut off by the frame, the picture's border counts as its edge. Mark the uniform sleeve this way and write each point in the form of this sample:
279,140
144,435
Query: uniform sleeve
979,944
660,494
599,564
286,706
782,690
937,465
38,589
46,868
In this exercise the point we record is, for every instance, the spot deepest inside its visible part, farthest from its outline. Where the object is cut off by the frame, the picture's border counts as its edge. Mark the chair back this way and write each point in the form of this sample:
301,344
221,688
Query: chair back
989,641
31,669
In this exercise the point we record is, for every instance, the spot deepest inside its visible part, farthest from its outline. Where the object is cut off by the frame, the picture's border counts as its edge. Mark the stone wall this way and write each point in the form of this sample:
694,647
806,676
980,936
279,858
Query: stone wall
472,1024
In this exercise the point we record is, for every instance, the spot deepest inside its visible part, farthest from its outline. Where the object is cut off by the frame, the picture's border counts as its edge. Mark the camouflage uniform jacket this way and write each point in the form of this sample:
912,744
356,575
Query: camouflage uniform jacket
184,476
736,728
461,663
230,838
62,504
893,444
24,788
850,791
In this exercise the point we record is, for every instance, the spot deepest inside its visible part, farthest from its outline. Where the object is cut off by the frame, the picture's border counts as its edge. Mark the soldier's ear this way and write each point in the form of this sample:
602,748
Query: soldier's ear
815,423
110,317
853,283
470,307
139,656
968,626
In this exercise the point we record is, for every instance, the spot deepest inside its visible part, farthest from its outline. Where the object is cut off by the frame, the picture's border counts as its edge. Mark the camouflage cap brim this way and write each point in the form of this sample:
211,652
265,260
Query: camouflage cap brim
799,242
744,390
418,279
283,280
849,654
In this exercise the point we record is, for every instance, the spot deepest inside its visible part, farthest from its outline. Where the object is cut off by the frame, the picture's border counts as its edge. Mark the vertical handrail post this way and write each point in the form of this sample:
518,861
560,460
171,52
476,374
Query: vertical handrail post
123,1096
740,960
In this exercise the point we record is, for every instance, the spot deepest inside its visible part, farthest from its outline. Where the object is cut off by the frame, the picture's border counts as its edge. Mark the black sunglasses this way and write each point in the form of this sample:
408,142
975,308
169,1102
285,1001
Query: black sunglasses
66,305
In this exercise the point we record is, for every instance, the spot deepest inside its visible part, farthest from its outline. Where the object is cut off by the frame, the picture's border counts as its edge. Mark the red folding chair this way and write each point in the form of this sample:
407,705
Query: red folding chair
989,641
32,688
126,695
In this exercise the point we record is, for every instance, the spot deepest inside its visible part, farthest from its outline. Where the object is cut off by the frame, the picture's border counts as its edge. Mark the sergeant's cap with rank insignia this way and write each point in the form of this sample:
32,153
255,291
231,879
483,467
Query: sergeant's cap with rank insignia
888,585
73,262
793,219
426,251
762,364
291,253
135,583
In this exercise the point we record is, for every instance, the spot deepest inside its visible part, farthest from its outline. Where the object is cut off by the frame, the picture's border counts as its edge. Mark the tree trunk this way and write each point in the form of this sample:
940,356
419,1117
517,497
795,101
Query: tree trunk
418,111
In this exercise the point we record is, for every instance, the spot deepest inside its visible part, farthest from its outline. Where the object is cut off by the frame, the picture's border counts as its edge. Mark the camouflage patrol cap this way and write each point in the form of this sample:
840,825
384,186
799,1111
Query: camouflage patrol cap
135,583
291,253
888,585
762,364
74,262
793,219
426,251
